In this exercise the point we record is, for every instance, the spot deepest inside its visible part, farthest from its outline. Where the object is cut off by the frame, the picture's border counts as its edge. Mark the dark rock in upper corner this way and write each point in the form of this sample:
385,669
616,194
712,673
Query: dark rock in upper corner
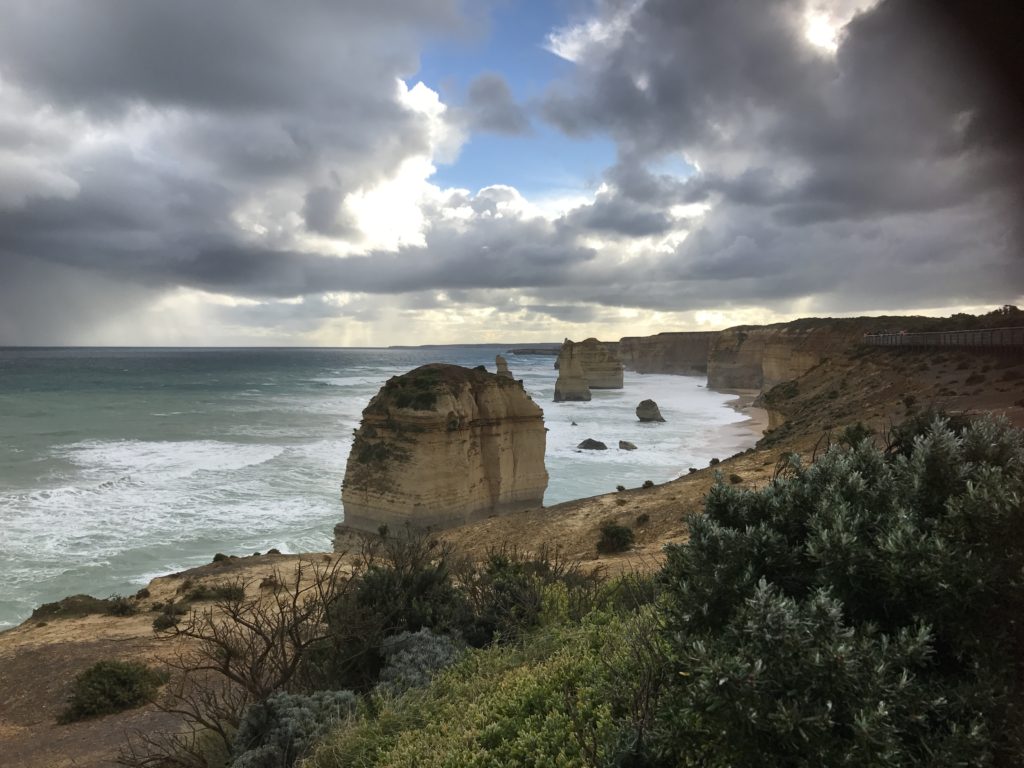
648,411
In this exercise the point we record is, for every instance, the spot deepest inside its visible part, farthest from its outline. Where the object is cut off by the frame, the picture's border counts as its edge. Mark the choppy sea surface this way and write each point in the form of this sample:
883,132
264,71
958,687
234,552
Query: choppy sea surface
118,465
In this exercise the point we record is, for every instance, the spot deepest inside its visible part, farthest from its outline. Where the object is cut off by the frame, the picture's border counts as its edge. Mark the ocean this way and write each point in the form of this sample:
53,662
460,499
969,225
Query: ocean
119,465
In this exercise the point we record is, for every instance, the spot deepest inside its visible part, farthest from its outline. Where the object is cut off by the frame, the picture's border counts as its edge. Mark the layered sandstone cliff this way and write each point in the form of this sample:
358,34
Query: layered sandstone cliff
443,445
601,365
680,353
762,357
571,384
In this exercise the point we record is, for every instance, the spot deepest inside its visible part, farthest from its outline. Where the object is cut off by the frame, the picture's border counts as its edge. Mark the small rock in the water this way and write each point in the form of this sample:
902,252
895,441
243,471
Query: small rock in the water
592,445
648,411
575,424
626,445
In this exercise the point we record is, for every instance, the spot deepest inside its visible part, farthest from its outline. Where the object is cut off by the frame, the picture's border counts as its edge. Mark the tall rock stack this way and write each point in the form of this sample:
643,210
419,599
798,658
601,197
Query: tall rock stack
571,383
502,365
443,445
601,365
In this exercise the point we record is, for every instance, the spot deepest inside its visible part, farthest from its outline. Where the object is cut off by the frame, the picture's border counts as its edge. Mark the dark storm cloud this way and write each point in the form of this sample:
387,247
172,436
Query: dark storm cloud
491,107
229,55
904,135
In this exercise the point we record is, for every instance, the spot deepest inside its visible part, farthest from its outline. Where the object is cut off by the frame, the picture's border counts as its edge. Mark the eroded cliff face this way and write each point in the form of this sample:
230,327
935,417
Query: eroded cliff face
443,445
734,360
601,365
571,383
679,353
763,357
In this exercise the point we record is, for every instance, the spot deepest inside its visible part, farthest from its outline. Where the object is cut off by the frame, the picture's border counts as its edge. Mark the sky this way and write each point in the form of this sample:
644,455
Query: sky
341,173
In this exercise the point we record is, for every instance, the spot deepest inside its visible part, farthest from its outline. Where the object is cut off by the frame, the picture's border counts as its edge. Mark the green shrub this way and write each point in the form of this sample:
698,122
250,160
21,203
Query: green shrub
863,612
224,592
274,733
412,659
556,700
111,686
72,607
648,484
614,538
855,434
119,605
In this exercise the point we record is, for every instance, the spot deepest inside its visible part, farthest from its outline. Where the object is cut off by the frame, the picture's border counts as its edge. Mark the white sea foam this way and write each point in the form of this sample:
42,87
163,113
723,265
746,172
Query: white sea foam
162,459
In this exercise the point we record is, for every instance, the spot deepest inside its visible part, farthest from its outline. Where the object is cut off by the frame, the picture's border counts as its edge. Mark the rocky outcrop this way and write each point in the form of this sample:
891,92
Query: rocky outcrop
625,445
502,365
648,410
443,445
592,445
679,353
571,384
601,365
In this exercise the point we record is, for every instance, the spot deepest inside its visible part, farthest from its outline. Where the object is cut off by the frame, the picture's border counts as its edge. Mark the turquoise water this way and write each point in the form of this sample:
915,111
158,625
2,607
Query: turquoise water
118,465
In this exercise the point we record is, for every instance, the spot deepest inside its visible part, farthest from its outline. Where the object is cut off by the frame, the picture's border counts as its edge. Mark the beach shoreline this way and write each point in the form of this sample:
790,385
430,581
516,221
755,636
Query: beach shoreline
743,403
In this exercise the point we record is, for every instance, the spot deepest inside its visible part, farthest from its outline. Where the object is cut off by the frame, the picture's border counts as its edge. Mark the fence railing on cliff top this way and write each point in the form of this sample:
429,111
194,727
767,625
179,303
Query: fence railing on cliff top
1009,340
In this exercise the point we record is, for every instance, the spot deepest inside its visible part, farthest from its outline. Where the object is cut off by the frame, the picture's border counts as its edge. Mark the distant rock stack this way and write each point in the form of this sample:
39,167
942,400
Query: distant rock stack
503,370
571,384
648,411
601,365
443,445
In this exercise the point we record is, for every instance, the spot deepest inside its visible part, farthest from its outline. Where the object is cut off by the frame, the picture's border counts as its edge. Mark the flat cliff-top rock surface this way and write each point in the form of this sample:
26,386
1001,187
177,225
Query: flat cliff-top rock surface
443,445
571,384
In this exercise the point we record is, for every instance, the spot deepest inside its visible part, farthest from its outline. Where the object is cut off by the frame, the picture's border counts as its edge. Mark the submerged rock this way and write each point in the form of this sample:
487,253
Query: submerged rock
571,384
592,445
625,445
648,411
442,445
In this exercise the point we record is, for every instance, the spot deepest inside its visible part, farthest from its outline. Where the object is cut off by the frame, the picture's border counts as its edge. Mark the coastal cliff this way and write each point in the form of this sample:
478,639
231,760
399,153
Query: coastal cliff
601,365
571,385
678,353
765,356
443,445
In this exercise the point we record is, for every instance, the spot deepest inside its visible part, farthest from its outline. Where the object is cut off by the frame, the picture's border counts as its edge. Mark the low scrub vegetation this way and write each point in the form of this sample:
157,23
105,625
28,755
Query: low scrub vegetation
861,610
614,538
111,686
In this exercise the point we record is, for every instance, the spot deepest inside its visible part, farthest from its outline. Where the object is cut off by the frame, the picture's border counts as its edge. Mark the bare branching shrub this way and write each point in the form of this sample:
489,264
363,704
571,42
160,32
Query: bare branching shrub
239,650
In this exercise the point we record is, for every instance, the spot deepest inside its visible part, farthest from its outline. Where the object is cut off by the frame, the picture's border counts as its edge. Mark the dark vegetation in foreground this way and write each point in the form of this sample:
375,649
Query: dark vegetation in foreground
863,610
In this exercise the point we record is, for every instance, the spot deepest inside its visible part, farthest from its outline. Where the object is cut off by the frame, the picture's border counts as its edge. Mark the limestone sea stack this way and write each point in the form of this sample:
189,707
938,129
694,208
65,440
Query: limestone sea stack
601,365
443,445
502,365
571,384
648,411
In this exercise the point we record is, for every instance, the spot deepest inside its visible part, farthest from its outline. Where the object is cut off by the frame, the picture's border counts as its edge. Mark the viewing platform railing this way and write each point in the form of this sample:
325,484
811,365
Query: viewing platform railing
1008,340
